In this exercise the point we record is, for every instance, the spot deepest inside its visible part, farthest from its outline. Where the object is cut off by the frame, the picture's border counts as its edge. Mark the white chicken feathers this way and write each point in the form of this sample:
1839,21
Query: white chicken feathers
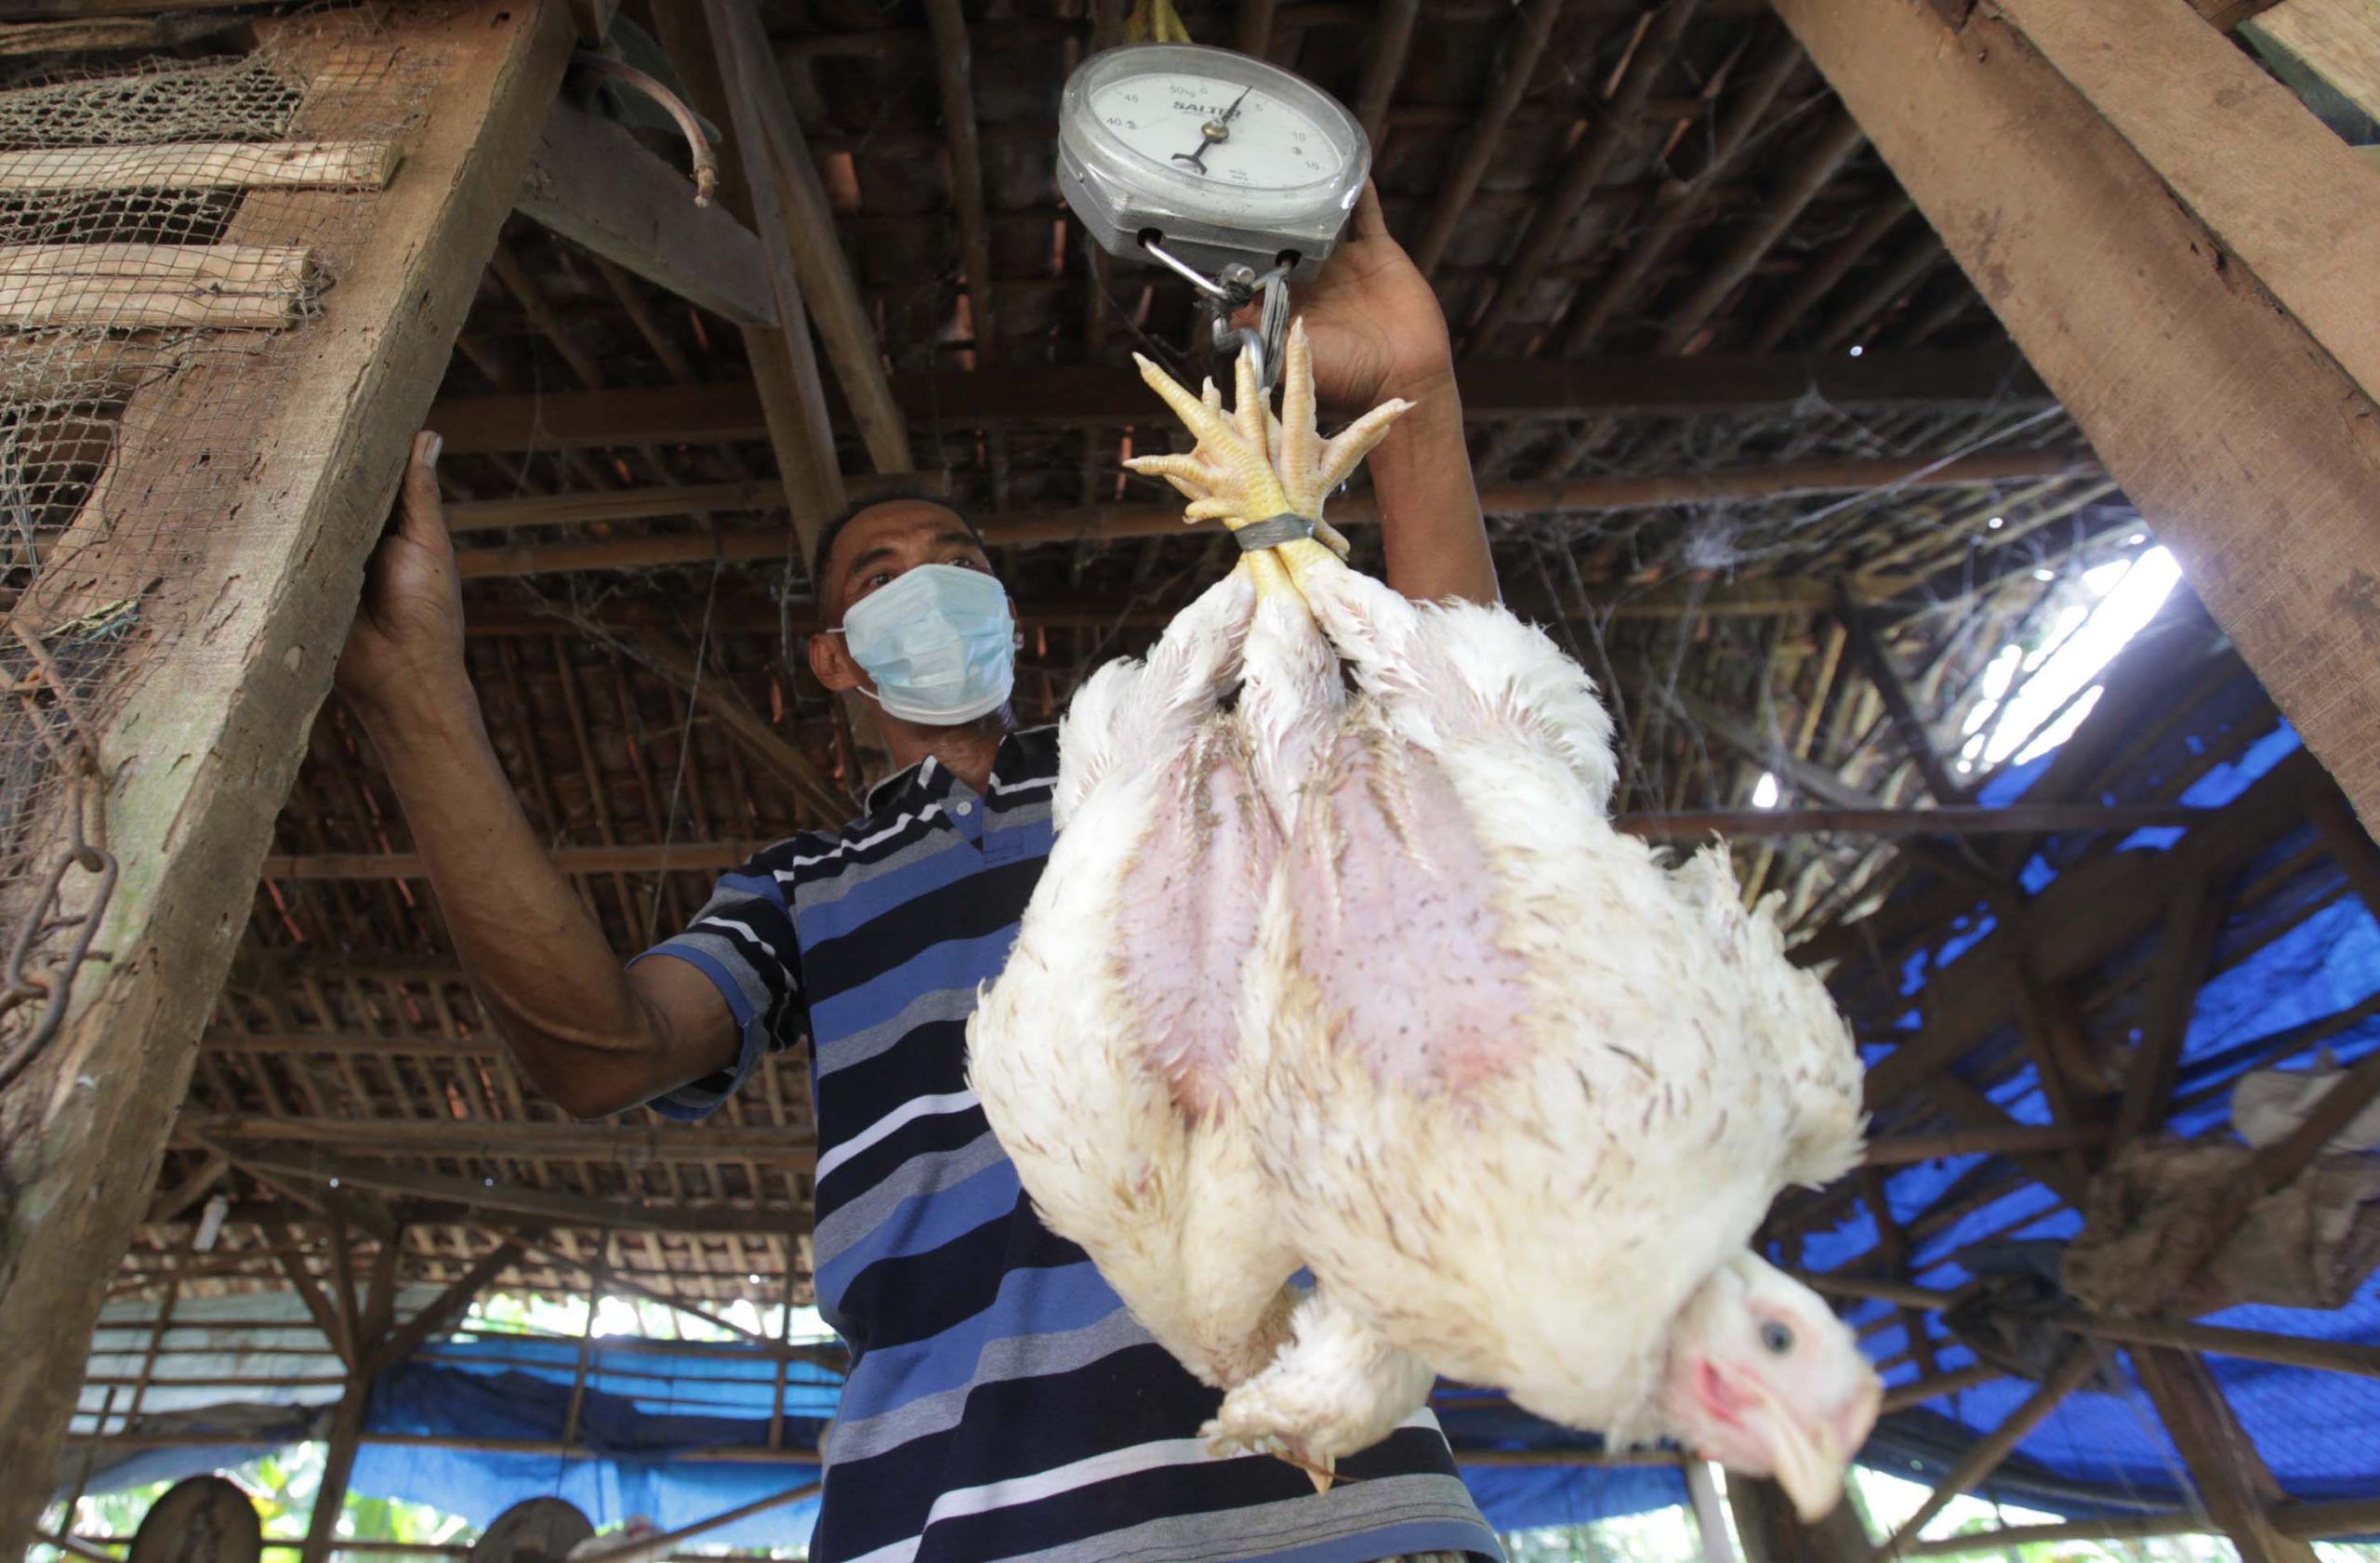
1339,963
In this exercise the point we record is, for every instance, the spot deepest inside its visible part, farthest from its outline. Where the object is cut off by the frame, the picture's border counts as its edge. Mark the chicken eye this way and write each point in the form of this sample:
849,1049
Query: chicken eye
1777,1338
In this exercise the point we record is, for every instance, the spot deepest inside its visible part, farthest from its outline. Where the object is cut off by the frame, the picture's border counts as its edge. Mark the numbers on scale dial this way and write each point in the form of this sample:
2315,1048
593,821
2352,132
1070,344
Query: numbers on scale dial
1173,119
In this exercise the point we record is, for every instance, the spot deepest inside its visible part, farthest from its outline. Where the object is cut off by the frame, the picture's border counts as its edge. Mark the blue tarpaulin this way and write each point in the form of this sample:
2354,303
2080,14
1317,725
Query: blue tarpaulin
2105,1447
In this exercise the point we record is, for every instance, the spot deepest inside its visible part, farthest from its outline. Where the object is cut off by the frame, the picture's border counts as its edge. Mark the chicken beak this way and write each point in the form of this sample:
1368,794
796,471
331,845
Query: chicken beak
1809,1457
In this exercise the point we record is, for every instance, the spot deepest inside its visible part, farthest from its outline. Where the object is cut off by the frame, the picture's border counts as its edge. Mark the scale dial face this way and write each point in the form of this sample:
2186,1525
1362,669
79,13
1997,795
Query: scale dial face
1229,148
1217,129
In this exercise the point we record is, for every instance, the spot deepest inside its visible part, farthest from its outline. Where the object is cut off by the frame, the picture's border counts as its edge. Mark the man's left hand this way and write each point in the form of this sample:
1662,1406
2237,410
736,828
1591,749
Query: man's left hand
1372,318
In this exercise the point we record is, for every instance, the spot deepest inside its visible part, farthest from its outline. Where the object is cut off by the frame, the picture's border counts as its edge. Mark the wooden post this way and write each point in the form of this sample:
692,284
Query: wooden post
586,1344
2232,1478
201,754
1772,1532
784,369
2185,295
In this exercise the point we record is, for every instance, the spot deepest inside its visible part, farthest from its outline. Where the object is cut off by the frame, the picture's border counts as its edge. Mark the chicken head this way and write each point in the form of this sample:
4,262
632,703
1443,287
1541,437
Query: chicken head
1763,1379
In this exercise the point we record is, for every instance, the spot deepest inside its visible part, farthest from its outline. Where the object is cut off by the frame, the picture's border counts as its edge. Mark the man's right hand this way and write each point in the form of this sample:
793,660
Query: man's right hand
407,637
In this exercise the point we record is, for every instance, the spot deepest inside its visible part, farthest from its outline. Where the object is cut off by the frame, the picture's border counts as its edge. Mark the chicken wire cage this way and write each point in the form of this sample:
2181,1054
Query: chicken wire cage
169,225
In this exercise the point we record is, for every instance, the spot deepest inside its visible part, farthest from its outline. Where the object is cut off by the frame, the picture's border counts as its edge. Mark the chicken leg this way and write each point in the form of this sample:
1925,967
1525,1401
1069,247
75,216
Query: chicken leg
1099,1055
1337,1387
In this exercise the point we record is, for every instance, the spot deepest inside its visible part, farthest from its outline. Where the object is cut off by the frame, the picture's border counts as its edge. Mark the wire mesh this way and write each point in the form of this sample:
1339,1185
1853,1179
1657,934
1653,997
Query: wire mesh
169,228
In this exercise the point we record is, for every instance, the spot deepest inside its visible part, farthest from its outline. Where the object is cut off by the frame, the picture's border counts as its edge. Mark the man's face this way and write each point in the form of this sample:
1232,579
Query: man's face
878,547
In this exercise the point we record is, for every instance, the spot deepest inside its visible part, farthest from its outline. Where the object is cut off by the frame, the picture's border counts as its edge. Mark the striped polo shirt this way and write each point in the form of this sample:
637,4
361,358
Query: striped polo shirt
1002,1403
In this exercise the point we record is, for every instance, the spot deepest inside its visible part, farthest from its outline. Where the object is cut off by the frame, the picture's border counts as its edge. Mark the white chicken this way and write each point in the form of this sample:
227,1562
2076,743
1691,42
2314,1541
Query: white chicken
1339,963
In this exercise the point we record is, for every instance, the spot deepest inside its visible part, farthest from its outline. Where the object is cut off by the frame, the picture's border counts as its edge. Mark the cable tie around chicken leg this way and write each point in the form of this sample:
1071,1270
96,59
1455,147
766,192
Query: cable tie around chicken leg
1275,530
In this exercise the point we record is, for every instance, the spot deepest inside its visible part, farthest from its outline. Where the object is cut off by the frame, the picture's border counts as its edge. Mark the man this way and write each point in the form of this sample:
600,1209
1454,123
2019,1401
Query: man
1001,1403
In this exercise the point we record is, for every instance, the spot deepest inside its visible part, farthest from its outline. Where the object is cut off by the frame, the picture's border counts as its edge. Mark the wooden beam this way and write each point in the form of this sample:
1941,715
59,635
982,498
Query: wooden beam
288,1254
1868,648
1611,130
2185,945
1773,1532
2255,1345
1097,396
785,366
2091,230
1515,71
494,1140
1918,1391
2302,1521
1825,156
1987,1452
444,1310
169,1204
290,512
1114,522
2232,1478
2338,40
790,202
954,76
1392,39
2082,918
760,497
2308,229
591,182
2012,1140
472,1196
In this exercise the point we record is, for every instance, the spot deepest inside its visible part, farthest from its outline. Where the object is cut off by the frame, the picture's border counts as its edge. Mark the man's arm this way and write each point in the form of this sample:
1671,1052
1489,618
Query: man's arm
1378,332
593,1038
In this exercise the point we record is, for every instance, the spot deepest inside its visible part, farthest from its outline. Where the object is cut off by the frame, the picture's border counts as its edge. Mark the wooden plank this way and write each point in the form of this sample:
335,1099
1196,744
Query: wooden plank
219,733
131,287
201,165
2338,40
2247,447
594,183
2277,190
2232,1478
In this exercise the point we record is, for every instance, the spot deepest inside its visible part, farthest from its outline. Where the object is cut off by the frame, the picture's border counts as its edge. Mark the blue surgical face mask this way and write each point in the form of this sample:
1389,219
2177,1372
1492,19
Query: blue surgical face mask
938,643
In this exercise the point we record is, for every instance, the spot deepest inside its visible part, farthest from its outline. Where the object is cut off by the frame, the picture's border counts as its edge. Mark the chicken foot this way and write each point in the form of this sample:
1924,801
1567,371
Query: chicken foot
1338,1386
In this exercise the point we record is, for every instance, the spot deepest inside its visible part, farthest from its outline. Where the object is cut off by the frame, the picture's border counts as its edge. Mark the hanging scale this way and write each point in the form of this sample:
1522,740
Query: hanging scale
1230,172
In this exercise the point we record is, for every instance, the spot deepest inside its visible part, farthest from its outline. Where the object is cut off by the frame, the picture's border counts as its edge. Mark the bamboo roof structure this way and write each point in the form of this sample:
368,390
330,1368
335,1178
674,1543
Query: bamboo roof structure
1752,445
